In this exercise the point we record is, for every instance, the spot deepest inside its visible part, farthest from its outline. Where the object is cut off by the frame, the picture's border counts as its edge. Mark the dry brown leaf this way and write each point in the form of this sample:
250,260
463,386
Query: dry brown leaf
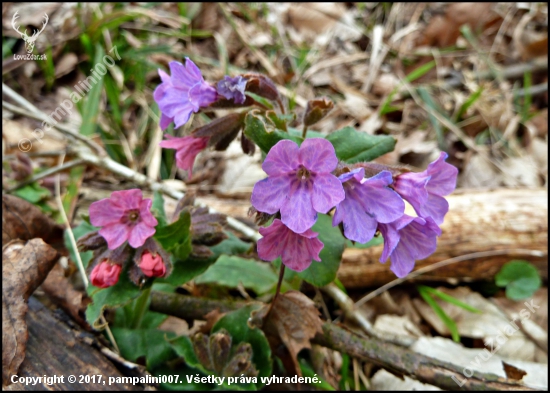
24,267
22,220
293,320
62,293
513,372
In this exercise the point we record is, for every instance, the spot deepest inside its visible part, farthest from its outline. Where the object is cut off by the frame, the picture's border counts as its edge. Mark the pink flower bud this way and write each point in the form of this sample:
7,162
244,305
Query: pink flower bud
105,274
152,265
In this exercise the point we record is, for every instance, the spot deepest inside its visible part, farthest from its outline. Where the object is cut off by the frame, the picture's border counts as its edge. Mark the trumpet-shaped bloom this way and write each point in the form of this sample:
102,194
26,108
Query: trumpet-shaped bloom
124,216
233,88
406,240
300,182
297,250
182,93
368,202
105,274
187,149
425,190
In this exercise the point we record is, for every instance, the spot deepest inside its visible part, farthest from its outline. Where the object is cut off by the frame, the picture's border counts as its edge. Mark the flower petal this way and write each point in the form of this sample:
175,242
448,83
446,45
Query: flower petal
274,240
165,121
381,202
181,77
412,187
127,199
327,192
282,158
300,251
443,176
402,260
145,213
268,195
435,207
318,155
104,212
139,233
115,234
297,212
358,225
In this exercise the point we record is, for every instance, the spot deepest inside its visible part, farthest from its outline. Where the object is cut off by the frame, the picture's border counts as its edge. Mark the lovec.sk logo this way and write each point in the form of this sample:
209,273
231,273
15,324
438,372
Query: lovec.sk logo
29,41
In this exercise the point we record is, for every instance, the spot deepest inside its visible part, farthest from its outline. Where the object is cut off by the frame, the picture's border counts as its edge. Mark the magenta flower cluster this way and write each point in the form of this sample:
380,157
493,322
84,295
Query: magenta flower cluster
301,183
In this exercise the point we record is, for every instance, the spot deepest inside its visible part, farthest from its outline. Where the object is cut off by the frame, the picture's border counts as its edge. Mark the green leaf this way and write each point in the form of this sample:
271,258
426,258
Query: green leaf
90,109
375,241
255,129
229,271
450,299
158,209
451,325
186,270
468,103
324,272
33,193
520,278
153,344
352,146
175,238
236,324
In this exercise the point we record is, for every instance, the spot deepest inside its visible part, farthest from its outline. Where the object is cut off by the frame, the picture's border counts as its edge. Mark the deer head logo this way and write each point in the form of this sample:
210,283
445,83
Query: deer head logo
29,41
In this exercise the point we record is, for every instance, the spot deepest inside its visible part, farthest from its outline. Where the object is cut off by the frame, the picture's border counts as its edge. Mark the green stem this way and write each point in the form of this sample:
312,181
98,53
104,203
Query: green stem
281,275
304,132
281,106
141,307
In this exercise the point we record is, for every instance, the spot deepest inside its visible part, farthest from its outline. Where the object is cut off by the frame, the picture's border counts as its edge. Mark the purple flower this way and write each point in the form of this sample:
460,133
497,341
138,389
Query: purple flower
182,93
425,190
187,149
233,88
368,202
124,216
296,250
300,183
406,240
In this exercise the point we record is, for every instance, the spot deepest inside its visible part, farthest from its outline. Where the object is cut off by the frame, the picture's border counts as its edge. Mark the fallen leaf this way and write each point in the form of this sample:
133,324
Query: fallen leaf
293,320
22,220
513,372
62,293
24,267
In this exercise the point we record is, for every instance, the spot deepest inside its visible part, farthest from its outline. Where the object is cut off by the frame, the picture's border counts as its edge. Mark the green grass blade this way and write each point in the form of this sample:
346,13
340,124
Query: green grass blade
451,325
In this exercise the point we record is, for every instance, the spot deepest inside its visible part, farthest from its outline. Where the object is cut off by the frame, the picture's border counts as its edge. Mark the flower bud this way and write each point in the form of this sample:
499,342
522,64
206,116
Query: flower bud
262,86
152,261
91,241
221,131
152,265
105,274
316,109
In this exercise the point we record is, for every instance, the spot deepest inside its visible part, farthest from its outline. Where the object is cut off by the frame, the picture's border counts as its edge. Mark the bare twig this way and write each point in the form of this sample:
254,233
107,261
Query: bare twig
390,356
446,262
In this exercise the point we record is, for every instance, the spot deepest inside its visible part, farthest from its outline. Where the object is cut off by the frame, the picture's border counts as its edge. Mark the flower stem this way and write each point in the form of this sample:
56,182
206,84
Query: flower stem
141,307
277,291
304,132
281,106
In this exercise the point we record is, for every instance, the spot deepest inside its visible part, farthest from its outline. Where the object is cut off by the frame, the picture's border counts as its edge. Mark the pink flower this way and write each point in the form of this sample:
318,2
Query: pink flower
124,216
296,250
152,265
105,274
300,182
182,93
187,149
